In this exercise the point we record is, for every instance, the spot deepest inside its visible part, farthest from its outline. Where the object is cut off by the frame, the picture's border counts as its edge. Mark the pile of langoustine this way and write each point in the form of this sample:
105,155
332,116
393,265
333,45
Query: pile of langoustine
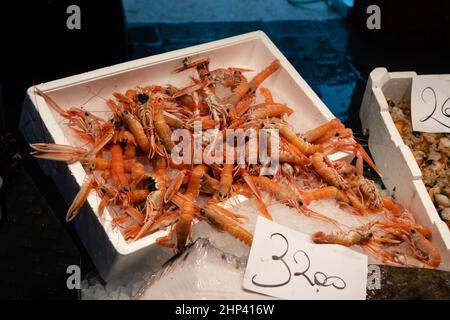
119,151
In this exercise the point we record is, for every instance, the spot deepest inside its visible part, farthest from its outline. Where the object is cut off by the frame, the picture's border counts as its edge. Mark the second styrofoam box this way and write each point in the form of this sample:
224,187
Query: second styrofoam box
401,174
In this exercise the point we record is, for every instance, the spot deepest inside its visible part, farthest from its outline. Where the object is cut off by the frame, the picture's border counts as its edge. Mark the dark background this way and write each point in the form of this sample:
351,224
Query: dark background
334,56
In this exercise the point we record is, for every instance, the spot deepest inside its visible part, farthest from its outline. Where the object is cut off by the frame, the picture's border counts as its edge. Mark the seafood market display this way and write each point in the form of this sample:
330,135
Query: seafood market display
164,159
432,153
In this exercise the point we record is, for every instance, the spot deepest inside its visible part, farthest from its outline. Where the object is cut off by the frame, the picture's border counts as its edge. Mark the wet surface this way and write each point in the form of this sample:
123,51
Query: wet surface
34,261
333,56
410,283
225,10
306,44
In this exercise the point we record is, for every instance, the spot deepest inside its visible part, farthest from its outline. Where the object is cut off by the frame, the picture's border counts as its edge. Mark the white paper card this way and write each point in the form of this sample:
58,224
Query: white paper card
430,103
284,263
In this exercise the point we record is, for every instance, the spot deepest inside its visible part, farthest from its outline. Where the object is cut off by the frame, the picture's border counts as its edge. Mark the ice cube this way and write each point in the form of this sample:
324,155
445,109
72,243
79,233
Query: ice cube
136,287
123,296
137,277
114,294
111,286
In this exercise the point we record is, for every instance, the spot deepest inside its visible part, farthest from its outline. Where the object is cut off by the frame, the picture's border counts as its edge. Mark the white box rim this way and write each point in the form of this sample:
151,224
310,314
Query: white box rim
76,169
378,78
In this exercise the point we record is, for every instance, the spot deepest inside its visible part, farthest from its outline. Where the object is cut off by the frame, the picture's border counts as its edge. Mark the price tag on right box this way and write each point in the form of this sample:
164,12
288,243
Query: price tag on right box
430,103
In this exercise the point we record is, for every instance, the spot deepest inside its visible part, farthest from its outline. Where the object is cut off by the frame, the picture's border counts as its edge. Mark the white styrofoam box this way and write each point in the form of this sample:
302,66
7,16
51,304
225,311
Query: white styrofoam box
107,248
400,171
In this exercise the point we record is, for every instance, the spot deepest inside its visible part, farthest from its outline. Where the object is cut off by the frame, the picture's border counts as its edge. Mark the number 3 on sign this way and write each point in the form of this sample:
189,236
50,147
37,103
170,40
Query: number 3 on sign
430,103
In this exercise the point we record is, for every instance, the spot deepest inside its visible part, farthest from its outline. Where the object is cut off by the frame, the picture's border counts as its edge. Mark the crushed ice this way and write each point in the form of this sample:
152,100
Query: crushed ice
127,287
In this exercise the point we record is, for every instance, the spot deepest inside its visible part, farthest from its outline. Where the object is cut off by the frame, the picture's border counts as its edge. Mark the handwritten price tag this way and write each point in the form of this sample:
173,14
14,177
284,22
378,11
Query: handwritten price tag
285,263
430,103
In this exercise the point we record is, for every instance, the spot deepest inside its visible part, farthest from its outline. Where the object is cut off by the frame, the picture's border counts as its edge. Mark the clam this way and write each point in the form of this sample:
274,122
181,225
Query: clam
444,143
442,200
445,214
434,155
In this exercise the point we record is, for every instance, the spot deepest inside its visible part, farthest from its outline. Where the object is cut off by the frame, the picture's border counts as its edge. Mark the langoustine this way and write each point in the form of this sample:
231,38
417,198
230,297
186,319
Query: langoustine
132,152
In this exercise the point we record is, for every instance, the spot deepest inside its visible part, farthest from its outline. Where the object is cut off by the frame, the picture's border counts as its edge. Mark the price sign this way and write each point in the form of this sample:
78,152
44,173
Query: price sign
284,263
430,103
